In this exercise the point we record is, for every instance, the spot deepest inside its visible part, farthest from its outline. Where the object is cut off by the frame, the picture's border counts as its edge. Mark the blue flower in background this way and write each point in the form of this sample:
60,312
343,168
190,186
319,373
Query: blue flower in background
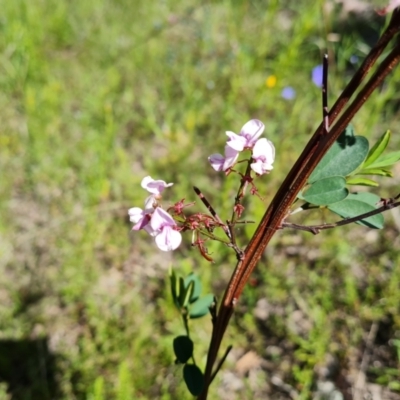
354,59
288,93
317,75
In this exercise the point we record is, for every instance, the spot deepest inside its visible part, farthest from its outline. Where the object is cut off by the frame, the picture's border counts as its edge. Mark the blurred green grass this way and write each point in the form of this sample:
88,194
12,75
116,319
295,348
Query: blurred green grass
94,96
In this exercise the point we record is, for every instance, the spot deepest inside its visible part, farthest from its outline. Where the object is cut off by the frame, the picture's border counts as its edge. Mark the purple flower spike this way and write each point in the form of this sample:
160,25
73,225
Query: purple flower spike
317,75
288,93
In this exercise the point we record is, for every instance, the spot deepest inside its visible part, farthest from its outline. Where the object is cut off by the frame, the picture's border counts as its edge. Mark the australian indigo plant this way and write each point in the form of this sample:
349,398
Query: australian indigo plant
333,161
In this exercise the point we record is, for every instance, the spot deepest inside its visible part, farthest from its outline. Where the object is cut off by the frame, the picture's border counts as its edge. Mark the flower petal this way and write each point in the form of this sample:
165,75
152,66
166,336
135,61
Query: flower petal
155,187
150,202
257,167
135,214
231,156
236,142
263,155
217,161
151,231
169,239
139,217
251,131
160,219
264,149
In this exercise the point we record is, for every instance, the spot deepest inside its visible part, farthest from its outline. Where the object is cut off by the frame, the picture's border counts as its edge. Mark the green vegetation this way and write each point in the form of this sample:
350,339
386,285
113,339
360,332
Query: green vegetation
95,95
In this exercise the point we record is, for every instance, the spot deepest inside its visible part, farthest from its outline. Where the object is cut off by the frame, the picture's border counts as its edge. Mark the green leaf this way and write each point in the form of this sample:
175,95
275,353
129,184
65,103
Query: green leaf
344,157
197,287
181,291
375,171
183,348
386,160
189,292
377,149
174,286
201,307
326,191
355,180
357,204
194,379
185,292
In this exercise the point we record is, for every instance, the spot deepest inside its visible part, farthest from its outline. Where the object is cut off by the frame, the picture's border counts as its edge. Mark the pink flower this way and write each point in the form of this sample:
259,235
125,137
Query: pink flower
154,187
141,219
247,137
167,238
221,163
263,155
153,219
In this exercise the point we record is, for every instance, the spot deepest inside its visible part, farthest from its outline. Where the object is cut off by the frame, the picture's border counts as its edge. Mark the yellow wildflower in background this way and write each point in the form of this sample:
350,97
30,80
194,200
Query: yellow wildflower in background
270,82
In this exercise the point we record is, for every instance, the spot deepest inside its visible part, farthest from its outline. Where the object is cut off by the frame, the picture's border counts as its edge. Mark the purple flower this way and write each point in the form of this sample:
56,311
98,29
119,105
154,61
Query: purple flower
317,75
288,93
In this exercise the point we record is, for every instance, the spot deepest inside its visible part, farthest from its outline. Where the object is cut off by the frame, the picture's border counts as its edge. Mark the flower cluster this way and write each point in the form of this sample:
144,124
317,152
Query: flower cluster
263,151
153,219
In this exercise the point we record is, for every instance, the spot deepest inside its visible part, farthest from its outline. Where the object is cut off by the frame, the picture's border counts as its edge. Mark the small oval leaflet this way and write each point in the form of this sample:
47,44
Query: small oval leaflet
197,287
194,379
326,191
344,157
183,348
201,306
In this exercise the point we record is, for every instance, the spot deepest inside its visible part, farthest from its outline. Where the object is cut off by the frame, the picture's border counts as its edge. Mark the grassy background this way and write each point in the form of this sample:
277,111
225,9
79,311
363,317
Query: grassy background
95,95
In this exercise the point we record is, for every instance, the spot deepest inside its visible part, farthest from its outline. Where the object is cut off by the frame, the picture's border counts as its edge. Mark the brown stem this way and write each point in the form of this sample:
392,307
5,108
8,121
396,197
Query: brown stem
295,180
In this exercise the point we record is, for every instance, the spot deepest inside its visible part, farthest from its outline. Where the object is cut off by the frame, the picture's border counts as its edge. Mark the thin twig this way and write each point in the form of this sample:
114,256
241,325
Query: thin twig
221,362
315,229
